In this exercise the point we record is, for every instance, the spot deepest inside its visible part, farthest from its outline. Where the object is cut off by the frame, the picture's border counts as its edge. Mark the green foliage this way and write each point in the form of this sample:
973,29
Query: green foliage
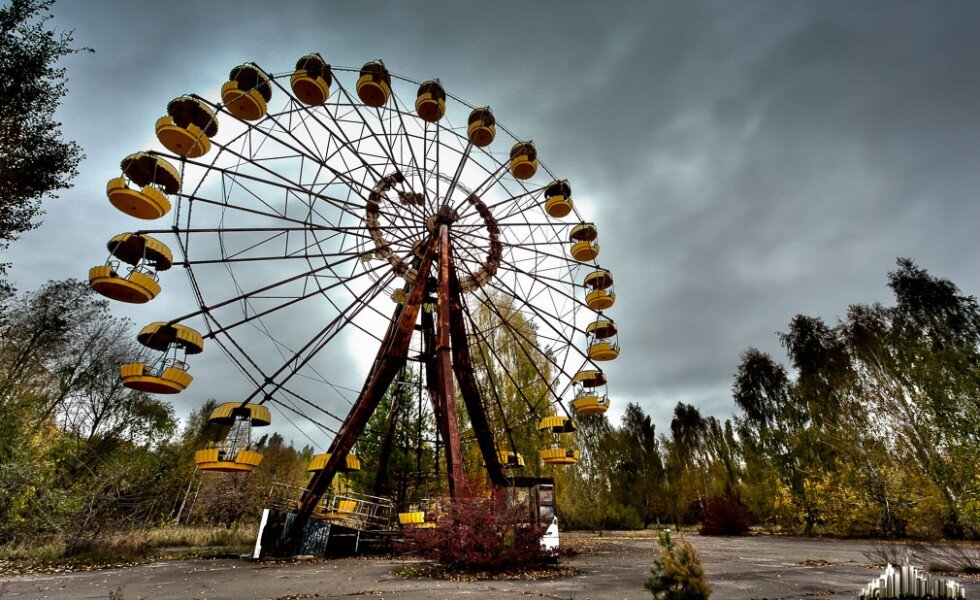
677,573
34,160
877,433
411,457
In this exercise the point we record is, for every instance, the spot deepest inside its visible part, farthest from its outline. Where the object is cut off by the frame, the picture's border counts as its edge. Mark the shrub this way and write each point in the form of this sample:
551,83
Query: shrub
677,574
620,516
478,534
725,515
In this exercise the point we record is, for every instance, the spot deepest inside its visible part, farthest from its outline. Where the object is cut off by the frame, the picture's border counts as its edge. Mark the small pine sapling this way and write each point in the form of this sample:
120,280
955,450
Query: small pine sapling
677,573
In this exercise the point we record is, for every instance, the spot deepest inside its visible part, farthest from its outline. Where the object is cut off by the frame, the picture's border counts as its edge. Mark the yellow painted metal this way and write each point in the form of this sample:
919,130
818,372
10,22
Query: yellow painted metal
481,127
320,460
599,280
160,336
411,518
187,141
523,167
558,206
600,299
225,413
590,404
138,376
560,456
132,248
144,169
480,134
602,351
207,460
429,108
556,424
601,328
248,457
510,459
585,251
346,506
372,93
590,378
583,232
213,459
146,203
135,288
187,110
312,91
248,105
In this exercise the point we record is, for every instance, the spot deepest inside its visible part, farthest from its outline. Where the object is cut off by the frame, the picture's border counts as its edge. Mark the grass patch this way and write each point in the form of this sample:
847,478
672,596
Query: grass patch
125,549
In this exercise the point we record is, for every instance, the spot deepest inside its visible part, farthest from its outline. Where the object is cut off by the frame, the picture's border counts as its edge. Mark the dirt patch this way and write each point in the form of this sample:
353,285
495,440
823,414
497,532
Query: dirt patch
432,571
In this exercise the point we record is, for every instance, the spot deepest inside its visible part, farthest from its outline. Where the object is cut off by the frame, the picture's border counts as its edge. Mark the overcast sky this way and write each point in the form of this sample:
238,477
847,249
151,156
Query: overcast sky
746,161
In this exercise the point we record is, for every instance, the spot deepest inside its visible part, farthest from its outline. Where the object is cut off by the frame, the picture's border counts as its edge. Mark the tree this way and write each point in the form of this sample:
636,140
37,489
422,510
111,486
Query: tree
878,432
677,574
79,453
410,456
639,470
35,161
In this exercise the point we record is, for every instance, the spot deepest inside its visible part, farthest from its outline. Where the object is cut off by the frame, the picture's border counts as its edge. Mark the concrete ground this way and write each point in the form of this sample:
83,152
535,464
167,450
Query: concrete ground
613,566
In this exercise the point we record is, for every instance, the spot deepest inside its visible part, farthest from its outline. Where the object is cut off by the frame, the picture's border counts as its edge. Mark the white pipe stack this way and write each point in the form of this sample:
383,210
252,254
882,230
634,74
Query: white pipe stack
907,582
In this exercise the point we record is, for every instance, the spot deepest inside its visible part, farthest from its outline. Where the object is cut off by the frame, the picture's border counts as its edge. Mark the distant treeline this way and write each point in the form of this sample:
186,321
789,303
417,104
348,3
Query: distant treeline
873,429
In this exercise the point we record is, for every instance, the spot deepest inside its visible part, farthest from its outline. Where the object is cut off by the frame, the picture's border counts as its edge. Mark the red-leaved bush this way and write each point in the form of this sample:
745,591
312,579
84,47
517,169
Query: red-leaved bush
480,534
725,515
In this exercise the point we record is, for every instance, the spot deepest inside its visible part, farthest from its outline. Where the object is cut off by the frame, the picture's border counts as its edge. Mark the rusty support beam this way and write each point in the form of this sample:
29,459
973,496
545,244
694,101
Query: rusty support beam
391,357
463,367
446,390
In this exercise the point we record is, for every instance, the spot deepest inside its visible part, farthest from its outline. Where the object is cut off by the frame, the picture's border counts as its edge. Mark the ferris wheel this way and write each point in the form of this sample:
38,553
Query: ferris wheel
341,213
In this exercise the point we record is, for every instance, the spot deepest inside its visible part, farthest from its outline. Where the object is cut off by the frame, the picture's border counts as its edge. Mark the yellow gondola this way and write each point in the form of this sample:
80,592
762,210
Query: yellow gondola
228,412
374,84
523,160
510,459
601,294
188,127
168,374
559,456
145,255
153,177
342,510
557,424
171,379
311,80
409,519
590,378
558,199
584,239
590,394
231,449
247,92
351,463
590,403
163,336
481,127
603,340
430,104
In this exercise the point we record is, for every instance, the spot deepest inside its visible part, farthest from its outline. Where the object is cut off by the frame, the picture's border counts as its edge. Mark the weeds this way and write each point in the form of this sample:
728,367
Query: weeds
936,556
120,549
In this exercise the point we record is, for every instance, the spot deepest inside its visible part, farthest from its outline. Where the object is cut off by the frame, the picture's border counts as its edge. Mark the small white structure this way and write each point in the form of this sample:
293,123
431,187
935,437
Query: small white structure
549,541
907,582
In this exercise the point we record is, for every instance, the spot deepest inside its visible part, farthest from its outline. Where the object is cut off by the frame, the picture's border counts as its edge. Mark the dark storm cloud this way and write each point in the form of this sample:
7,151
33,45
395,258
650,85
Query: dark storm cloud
744,161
